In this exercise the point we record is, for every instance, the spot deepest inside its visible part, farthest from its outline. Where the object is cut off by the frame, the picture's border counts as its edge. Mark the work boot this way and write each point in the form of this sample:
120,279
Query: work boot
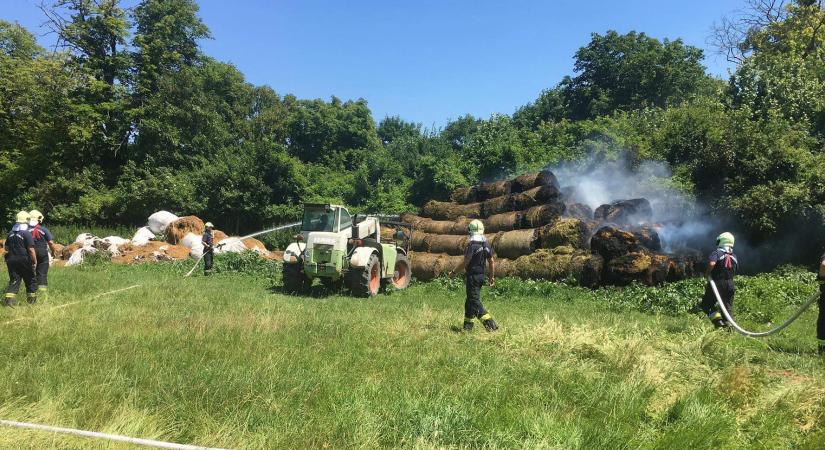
31,298
490,325
468,325
10,300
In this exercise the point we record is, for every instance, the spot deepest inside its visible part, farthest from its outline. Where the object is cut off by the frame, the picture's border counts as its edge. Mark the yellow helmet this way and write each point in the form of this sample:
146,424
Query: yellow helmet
475,227
35,216
725,240
23,217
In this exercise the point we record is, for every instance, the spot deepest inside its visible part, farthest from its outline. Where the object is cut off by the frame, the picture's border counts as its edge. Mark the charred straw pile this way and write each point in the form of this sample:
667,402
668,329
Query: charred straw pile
539,231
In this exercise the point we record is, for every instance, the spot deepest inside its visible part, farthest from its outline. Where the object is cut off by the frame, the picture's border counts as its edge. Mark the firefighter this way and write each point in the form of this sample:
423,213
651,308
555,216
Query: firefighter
20,261
477,257
820,322
208,248
722,266
43,246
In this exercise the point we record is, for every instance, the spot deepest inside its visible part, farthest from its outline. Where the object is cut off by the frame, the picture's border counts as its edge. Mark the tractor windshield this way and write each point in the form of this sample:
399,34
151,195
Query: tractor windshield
318,219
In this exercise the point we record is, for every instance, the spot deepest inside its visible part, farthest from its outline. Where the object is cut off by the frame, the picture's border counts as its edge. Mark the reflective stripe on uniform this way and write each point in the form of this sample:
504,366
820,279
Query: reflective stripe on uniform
487,316
715,315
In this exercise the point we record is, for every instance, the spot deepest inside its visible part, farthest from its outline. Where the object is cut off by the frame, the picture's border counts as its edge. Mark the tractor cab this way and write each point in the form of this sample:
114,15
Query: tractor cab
326,218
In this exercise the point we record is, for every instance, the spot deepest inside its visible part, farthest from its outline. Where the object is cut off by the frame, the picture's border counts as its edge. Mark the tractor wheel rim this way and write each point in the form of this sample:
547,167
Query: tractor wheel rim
401,274
375,280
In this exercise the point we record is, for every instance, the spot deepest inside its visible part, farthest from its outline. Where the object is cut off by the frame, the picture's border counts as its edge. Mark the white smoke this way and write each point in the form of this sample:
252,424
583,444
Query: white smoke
679,219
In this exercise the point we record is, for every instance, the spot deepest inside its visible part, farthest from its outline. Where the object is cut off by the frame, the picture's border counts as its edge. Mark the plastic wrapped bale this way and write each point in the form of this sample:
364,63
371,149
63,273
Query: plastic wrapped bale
531,180
143,236
177,229
428,266
513,244
625,212
68,250
85,239
79,255
648,238
539,216
578,211
625,269
611,242
450,211
158,221
194,243
230,245
545,265
115,240
565,232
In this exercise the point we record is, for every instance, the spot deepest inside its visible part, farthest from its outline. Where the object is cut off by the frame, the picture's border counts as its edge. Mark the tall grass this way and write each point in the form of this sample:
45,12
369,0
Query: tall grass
225,361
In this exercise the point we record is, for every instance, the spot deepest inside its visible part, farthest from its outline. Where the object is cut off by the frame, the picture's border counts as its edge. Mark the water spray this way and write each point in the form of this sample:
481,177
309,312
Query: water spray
776,329
243,238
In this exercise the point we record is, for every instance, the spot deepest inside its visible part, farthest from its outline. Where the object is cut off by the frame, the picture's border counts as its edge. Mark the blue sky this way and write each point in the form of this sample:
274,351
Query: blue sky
426,61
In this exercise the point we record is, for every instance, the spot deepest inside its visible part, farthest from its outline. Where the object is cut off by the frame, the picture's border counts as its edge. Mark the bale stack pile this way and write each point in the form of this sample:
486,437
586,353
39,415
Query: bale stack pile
166,237
539,231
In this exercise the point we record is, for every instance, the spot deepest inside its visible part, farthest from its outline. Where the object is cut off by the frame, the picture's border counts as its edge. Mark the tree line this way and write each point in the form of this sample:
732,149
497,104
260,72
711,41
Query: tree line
129,116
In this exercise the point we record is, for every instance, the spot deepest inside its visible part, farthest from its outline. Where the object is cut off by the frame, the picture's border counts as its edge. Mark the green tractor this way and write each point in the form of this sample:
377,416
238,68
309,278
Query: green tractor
345,251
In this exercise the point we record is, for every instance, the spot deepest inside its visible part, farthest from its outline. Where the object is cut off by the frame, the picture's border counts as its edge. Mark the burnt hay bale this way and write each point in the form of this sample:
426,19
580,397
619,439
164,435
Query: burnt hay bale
578,211
487,191
625,212
611,242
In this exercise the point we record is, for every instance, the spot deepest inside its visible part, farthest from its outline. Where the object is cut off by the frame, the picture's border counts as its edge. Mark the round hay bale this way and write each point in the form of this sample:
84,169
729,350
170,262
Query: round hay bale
464,195
611,242
545,265
578,211
178,229
498,205
565,232
461,226
68,250
531,180
513,244
503,222
625,269
218,235
486,191
625,212
450,211
158,221
648,237
417,241
539,216
428,266
449,244
256,246
536,196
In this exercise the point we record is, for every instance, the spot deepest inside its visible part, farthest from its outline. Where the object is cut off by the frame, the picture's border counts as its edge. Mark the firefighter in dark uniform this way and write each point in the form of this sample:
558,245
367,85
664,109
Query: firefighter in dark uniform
820,322
20,261
478,256
43,246
208,248
722,267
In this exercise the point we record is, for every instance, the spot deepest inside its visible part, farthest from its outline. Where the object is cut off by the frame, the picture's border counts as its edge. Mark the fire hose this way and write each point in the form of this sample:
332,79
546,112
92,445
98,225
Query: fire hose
745,332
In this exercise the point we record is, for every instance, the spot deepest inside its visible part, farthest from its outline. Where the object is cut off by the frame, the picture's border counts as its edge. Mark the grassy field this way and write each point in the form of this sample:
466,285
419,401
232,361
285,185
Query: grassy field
230,362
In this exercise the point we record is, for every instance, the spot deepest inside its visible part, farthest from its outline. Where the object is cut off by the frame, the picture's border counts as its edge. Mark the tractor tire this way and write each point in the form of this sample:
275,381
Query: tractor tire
402,273
295,282
366,281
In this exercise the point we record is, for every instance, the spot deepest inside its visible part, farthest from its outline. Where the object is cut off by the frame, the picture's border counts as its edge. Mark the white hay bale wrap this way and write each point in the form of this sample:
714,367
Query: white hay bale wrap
194,243
160,220
79,254
230,245
143,236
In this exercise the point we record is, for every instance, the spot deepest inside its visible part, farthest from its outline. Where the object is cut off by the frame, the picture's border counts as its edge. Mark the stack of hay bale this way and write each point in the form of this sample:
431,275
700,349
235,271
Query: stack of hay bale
166,237
538,231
